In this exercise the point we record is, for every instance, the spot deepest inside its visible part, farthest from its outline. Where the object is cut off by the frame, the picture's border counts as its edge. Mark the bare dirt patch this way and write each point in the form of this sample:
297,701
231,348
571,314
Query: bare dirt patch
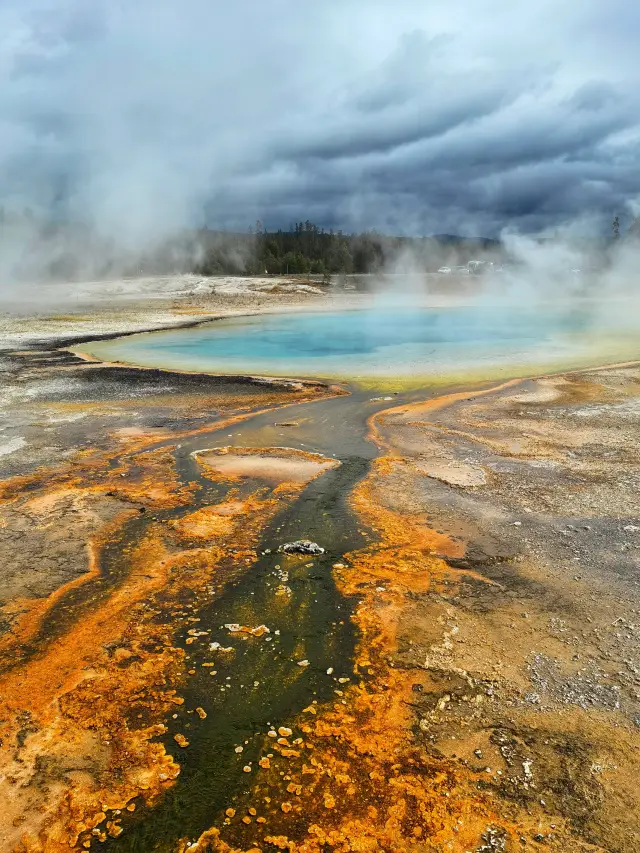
277,465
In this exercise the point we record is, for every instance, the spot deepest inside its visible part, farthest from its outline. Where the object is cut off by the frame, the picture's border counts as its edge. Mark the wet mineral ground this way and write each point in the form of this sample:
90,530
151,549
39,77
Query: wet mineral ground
455,666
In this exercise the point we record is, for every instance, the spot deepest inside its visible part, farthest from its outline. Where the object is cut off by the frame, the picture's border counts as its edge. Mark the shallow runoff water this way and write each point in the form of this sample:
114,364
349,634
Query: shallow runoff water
406,343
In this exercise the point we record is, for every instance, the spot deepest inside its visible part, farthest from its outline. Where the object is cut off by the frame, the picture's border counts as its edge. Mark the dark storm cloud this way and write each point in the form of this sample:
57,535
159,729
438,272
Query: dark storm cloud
464,116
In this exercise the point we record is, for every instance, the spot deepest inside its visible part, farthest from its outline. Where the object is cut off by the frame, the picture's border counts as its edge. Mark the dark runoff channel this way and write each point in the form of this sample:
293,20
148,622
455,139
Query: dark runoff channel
260,684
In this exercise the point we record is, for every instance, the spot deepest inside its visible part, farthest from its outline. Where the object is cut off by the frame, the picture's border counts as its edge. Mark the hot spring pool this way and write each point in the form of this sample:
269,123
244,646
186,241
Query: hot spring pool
408,345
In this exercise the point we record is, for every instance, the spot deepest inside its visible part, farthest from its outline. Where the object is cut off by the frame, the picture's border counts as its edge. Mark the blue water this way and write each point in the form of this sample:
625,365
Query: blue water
382,342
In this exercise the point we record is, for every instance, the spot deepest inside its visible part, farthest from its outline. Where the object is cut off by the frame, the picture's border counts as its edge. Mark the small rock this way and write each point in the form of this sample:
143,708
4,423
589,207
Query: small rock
495,839
442,703
302,546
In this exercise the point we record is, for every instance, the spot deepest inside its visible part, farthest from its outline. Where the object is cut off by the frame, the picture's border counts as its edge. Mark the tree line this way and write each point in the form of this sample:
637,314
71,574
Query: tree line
35,249
308,249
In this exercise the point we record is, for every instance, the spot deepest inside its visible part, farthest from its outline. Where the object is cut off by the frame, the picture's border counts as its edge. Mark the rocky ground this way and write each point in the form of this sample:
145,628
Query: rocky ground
494,700
522,653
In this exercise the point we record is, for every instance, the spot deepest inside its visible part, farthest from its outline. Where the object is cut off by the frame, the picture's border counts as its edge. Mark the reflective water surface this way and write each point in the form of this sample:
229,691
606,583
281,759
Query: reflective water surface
381,342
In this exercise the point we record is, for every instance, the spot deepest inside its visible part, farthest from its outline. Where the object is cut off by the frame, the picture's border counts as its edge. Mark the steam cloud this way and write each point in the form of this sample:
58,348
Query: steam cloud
470,116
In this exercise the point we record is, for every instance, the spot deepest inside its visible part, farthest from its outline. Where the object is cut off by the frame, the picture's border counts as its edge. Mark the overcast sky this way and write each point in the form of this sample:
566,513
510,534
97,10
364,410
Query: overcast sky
464,116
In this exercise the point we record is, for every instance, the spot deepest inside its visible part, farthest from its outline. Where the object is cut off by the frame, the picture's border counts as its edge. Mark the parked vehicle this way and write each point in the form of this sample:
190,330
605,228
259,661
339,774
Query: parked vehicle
479,267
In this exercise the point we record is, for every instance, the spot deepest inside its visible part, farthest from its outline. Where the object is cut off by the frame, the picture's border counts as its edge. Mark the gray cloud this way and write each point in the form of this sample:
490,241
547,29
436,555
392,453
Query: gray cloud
465,116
